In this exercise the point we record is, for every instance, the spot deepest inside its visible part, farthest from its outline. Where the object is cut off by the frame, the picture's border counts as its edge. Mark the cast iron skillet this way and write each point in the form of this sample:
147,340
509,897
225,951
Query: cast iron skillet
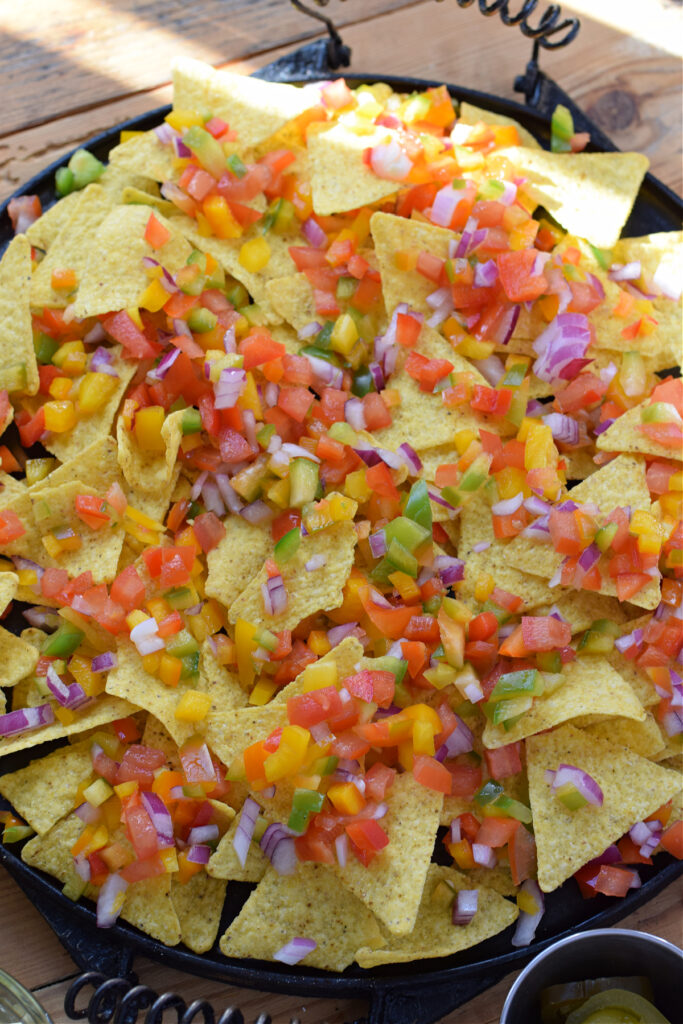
413,993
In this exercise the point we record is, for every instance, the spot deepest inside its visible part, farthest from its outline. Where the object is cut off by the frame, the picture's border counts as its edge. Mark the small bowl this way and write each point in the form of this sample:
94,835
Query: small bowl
602,953
17,1003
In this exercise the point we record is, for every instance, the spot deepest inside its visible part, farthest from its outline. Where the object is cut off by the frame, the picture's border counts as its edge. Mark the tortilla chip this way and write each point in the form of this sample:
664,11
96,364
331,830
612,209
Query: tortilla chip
307,592
17,658
619,483
144,154
149,472
150,907
236,559
53,507
137,197
589,194
582,608
102,711
228,733
222,685
9,581
469,114
156,735
226,251
391,886
292,298
590,687
579,464
633,788
114,277
253,108
16,334
434,933
73,445
52,852
97,463
199,904
224,863
45,790
393,234
43,231
644,738
310,904
625,435
72,248
130,681
340,178
346,656
636,677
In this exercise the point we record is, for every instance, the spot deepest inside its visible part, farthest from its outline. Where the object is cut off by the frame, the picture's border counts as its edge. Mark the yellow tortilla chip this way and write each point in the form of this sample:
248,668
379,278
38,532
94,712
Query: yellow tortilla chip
102,710
391,886
18,367
150,473
583,607
9,581
469,114
72,248
633,788
97,463
138,197
10,489
222,685
229,733
619,483
236,559
43,231
226,251
224,863
145,155
17,658
346,656
590,687
157,736
252,108
72,445
340,178
309,904
645,738
307,592
579,464
625,436
292,298
199,904
46,789
636,677
114,277
434,933
393,234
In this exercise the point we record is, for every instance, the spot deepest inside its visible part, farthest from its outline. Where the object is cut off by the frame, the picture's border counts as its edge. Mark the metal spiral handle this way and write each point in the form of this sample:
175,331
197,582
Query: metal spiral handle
122,1000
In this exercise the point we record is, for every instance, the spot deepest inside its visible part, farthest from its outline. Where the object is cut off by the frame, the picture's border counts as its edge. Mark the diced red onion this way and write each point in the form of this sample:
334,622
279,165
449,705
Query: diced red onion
582,781
197,485
450,569
410,456
354,413
668,281
370,456
509,193
341,849
309,330
485,274
69,696
295,951
597,285
203,834
483,545
444,205
460,741
317,562
463,246
245,829
159,371
95,335
377,375
589,557
165,133
492,368
473,692
274,595
563,428
508,505
437,298
338,633
277,842
104,662
182,151
483,855
230,386
562,346
625,271
257,512
89,815
199,854
465,906
528,923
81,862
389,161
110,900
212,498
314,234
296,451
228,493
442,311
146,638
435,495
506,326
43,618
160,818
326,372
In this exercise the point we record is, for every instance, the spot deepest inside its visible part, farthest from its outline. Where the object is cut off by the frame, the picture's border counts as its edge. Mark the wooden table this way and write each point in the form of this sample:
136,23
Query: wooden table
72,68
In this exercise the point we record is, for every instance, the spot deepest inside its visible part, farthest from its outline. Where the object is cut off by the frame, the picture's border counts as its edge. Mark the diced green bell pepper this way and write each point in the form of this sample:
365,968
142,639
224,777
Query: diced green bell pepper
303,481
191,422
418,507
287,546
304,803
64,642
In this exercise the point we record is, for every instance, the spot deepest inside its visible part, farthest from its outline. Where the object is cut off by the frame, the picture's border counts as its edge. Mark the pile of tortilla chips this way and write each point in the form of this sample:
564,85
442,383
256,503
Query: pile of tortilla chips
340,492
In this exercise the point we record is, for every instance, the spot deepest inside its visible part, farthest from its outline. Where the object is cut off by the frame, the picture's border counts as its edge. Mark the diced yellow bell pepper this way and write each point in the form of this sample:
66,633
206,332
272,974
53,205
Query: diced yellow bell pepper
405,260
406,586
319,675
356,487
278,493
67,350
158,608
510,481
198,628
38,469
254,255
181,119
139,517
151,663
169,858
318,642
360,226
124,789
213,615
220,218
346,798
344,334
539,450
423,713
59,416
246,645
290,755
95,390
135,617
97,792
405,755
81,669
60,387
154,297
147,429
483,588
462,439
341,508
193,706
262,692
170,669
249,398
526,902
52,546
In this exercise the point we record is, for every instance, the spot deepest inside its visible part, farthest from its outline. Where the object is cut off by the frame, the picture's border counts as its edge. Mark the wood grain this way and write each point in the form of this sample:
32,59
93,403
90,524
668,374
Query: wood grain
32,954
633,89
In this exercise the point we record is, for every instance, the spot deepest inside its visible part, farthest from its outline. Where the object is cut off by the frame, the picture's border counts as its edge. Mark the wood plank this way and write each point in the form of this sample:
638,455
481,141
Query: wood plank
90,51
662,916
29,949
632,94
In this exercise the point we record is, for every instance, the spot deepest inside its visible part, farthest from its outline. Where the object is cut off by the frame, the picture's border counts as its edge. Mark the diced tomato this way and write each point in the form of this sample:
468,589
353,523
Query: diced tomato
375,411
564,532
294,663
515,272
391,621
332,402
378,780
497,831
104,766
482,626
423,627
367,835
31,428
23,211
494,401
233,447
260,347
630,852
128,590
522,855
314,848
672,840
122,329
91,510
155,232
581,393
613,881
415,653
295,402
11,526
430,267
349,745
505,761
311,708
407,329
378,479
545,633
336,95
126,729
432,774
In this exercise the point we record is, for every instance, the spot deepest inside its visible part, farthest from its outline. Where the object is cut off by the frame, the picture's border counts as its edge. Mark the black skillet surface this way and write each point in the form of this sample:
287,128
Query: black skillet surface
414,993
